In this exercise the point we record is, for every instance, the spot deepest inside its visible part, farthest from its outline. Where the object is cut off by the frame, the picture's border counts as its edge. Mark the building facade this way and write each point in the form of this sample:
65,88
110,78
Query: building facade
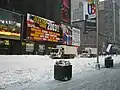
78,13
108,25
111,21
10,32
56,12
87,26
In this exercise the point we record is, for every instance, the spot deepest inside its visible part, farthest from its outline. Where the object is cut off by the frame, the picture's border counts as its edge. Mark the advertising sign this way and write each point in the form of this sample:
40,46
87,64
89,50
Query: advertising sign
90,15
41,29
10,25
89,10
91,7
29,47
65,11
75,37
67,34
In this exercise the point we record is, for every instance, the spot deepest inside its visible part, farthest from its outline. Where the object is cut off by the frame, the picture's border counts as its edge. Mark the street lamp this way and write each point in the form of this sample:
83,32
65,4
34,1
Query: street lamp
97,31
94,10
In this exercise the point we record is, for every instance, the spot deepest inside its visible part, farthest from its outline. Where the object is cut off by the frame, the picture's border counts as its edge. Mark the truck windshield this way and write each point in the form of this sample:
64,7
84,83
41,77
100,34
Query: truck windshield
84,52
54,50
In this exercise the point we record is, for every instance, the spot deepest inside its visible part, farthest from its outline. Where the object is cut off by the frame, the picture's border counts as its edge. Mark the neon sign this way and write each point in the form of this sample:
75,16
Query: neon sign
91,7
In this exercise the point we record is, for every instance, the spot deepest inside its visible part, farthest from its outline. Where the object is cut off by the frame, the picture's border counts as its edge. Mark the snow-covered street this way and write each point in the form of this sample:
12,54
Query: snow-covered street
105,79
36,73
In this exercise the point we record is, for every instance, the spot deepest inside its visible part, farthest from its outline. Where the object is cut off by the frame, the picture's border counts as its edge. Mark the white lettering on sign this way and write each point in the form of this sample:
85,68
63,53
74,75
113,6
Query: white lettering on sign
7,22
52,26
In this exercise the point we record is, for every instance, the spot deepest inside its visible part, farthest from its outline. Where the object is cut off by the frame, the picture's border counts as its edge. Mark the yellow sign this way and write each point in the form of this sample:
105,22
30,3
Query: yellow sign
42,22
9,33
44,35
6,42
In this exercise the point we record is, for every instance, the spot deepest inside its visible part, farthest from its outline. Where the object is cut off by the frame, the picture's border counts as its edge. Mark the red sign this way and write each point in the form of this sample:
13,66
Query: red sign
65,11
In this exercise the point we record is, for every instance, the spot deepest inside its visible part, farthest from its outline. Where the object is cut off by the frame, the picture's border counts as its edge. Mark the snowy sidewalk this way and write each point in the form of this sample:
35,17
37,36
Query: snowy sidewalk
22,72
104,79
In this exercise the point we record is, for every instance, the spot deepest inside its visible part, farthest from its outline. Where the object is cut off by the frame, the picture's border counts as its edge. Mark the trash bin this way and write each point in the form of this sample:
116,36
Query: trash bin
108,62
62,73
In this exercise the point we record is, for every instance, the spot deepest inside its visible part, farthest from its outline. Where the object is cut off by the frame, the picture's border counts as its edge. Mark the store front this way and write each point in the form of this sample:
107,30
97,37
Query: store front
15,47
10,32
4,47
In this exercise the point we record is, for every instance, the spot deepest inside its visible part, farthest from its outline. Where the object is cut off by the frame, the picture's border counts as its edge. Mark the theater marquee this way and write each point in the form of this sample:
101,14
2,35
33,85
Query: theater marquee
41,29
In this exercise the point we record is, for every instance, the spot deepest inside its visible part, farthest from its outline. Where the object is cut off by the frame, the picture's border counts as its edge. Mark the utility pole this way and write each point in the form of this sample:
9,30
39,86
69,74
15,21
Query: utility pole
114,21
97,31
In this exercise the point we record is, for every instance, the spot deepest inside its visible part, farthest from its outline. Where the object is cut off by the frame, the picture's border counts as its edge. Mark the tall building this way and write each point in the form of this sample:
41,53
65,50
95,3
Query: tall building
85,24
78,13
111,21
108,23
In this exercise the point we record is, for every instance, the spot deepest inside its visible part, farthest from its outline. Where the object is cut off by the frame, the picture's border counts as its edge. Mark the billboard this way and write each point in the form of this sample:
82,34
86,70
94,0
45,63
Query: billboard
75,36
29,47
90,15
10,25
67,34
89,9
65,11
41,29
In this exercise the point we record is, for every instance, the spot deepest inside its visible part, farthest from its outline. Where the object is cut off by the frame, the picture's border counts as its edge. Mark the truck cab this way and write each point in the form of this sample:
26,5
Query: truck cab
63,51
85,53
56,53
89,52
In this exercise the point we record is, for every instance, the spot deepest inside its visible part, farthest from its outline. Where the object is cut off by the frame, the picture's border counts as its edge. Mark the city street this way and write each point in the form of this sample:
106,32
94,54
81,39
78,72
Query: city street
59,45
105,79
37,73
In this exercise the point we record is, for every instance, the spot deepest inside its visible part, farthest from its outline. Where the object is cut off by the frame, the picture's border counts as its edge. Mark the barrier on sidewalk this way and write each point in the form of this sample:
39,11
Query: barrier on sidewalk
63,72
108,62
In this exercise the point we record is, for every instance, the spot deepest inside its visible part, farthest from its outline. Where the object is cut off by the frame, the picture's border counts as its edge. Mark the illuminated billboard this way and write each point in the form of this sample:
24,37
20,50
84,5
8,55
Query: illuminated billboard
10,25
67,34
65,11
41,29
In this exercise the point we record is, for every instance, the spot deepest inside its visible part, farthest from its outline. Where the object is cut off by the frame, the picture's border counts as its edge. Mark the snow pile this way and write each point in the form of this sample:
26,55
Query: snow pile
62,63
24,71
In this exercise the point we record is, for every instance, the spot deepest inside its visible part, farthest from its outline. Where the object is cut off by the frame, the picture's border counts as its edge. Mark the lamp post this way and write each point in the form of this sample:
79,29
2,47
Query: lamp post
114,21
97,31
95,10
